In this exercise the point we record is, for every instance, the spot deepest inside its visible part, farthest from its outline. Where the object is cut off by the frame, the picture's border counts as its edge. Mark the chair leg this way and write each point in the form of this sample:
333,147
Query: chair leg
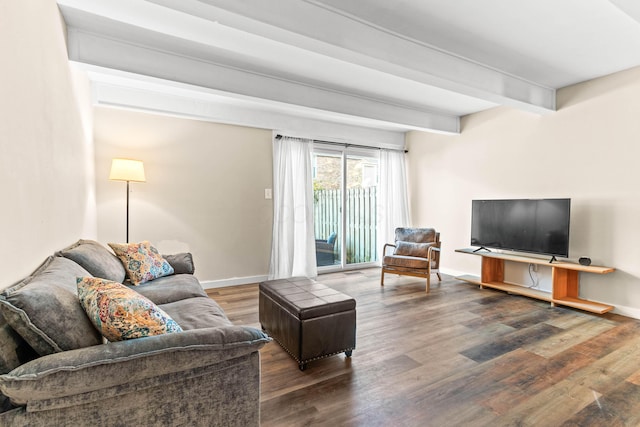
439,278
382,278
428,283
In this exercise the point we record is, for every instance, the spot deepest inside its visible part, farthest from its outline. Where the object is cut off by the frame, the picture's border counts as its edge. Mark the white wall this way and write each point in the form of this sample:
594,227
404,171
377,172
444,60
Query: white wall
204,192
46,157
589,150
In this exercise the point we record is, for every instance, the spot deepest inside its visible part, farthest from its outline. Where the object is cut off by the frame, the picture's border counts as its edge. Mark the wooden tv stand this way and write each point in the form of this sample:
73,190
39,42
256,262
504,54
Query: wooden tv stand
564,279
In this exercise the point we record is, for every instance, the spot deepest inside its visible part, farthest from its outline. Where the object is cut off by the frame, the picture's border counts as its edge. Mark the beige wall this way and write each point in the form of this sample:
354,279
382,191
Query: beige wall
204,191
46,158
589,150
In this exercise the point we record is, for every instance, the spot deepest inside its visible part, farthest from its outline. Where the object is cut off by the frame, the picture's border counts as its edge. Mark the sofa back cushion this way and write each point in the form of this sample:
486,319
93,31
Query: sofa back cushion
44,308
14,351
96,259
182,263
171,288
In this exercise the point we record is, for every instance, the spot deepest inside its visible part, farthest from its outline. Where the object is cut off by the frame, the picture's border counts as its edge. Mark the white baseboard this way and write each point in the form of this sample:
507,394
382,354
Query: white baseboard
454,273
627,311
234,281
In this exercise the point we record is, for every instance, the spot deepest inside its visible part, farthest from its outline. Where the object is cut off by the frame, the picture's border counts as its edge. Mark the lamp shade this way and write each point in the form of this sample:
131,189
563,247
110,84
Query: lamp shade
127,170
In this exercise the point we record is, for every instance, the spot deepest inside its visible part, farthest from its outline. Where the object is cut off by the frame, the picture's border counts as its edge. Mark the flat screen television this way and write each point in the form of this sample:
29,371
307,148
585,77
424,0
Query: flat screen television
539,226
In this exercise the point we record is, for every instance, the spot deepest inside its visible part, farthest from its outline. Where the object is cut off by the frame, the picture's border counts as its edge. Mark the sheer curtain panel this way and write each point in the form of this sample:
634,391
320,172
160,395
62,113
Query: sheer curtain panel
293,244
393,208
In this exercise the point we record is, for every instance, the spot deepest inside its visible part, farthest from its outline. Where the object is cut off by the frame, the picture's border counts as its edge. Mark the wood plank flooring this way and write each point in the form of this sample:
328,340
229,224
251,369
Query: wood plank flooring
458,356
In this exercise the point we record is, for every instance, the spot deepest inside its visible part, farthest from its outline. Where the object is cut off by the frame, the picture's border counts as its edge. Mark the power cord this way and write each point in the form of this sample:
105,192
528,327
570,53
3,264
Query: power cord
535,280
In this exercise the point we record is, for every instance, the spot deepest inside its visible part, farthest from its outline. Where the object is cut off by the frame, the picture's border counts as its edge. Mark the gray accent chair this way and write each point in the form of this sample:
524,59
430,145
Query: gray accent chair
56,370
416,253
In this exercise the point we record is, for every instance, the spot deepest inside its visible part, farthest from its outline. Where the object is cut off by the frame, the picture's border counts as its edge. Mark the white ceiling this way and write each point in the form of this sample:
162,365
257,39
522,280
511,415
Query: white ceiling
376,64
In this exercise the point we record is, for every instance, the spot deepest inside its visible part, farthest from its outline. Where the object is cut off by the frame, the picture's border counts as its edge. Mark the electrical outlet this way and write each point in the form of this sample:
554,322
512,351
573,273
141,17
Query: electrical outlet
268,193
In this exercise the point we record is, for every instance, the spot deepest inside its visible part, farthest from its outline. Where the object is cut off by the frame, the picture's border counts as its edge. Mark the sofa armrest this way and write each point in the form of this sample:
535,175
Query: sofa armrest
117,364
182,263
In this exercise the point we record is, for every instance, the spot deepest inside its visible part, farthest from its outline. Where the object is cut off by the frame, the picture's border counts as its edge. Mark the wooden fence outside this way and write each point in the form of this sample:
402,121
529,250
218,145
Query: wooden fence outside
361,208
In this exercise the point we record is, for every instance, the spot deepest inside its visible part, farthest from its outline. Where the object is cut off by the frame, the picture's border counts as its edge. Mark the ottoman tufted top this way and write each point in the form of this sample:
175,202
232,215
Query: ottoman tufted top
306,298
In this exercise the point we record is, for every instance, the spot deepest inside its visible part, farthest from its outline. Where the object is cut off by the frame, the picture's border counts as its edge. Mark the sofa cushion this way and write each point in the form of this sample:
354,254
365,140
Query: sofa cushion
44,309
142,261
197,313
171,288
120,313
96,259
413,249
182,263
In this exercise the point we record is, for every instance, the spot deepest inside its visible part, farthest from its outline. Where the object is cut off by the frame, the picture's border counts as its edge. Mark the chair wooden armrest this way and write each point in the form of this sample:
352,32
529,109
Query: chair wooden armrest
384,248
431,250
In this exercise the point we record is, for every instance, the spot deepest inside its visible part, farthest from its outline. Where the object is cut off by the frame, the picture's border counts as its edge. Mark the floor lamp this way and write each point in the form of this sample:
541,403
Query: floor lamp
127,170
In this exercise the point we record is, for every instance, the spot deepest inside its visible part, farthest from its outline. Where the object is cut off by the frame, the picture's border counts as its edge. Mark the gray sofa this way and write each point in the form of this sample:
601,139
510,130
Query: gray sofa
56,369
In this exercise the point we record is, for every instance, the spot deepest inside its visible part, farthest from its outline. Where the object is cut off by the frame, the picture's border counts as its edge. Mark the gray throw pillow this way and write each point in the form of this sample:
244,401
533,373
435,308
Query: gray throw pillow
182,263
96,259
44,308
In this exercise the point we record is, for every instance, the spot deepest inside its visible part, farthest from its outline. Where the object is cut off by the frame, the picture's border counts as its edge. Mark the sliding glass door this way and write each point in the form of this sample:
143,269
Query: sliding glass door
360,206
327,206
345,184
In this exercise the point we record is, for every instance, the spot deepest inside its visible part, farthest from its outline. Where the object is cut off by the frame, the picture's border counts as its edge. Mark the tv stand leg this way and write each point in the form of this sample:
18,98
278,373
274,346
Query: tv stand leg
481,248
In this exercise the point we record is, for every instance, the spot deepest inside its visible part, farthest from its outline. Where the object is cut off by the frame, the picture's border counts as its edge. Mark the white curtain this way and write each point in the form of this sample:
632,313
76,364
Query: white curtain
293,244
393,208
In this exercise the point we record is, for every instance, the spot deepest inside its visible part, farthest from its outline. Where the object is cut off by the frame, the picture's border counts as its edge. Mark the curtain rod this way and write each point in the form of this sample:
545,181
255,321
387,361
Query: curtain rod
344,144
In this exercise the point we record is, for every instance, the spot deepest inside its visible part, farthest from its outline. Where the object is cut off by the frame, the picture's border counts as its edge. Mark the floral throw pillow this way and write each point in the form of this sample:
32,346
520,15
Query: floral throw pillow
142,261
120,313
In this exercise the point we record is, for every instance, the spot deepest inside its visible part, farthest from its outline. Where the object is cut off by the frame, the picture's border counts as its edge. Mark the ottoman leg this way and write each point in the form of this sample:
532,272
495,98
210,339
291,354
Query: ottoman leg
348,353
302,366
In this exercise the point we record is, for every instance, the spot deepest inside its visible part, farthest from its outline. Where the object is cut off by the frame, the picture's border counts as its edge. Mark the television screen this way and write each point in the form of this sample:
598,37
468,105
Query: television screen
535,226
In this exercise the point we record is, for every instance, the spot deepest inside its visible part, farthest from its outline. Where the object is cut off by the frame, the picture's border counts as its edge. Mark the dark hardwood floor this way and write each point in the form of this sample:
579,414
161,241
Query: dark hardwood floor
458,356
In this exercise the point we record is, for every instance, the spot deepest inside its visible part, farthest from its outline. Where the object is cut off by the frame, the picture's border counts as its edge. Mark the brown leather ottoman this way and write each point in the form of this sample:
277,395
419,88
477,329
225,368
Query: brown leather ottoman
308,319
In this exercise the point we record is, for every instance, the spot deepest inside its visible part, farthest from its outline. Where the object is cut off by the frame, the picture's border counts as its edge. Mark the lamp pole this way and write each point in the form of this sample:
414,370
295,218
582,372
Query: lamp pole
127,170
127,240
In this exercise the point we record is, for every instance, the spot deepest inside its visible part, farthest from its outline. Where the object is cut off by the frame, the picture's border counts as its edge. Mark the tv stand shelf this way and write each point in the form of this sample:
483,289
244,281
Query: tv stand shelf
564,278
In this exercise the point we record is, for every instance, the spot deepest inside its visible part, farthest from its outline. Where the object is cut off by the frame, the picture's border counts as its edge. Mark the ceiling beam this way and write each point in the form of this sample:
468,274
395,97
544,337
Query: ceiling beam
106,52
123,90
630,7
101,33
328,32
